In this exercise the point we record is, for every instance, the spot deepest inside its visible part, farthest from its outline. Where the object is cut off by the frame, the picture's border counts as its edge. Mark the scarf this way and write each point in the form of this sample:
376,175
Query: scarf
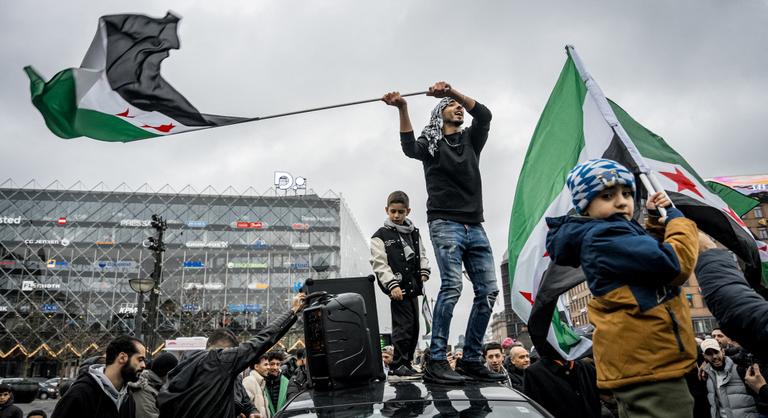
434,129
403,230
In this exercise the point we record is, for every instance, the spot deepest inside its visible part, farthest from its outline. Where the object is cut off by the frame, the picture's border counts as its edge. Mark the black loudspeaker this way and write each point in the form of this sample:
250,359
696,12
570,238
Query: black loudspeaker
341,332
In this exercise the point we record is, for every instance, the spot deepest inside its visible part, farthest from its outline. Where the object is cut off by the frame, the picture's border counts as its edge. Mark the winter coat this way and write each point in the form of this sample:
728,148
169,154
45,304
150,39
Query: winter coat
565,389
255,385
9,410
298,382
144,393
739,310
516,376
203,385
88,397
243,403
635,282
732,396
390,265
276,392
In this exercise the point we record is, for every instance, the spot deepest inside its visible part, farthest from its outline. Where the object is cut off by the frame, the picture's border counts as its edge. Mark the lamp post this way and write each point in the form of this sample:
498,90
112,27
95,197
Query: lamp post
140,286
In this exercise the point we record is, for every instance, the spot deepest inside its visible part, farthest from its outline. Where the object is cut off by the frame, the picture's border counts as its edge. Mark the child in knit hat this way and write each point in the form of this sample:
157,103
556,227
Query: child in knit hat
643,342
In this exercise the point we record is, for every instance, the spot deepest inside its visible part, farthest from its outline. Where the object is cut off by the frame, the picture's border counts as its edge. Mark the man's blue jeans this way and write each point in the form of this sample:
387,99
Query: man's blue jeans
454,244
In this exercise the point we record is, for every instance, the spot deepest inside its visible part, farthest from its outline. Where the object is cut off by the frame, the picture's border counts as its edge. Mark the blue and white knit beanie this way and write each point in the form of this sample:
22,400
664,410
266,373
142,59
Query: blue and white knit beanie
591,177
434,129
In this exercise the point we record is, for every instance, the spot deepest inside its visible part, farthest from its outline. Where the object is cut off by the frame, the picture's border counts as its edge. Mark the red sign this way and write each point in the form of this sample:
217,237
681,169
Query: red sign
300,226
250,225
62,221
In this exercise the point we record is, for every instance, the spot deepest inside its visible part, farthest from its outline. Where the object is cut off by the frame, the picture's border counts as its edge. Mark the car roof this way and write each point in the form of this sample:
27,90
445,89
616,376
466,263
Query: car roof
401,391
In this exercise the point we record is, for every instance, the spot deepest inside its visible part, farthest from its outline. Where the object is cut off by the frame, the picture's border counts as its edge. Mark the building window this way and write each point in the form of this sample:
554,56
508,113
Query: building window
689,298
762,233
758,212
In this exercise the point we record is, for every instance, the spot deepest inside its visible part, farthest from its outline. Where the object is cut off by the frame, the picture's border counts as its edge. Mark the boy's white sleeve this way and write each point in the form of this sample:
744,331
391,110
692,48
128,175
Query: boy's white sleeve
424,269
381,268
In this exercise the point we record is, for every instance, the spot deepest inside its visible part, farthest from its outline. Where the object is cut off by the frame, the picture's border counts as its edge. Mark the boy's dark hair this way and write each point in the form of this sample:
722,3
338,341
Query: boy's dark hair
491,346
5,389
398,197
37,412
222,335
301,353
275,355
122,344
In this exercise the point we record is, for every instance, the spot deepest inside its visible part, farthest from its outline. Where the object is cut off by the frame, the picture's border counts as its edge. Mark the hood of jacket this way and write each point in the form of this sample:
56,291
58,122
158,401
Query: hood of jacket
96,371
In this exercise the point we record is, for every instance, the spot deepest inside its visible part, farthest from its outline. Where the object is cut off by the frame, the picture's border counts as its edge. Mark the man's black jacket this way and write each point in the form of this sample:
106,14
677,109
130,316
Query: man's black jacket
203,385
86,399
567,390
740,311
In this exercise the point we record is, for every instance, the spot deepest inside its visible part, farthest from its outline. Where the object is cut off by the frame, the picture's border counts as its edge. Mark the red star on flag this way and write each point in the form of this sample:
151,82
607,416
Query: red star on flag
763,248
733,216
528,296
683,183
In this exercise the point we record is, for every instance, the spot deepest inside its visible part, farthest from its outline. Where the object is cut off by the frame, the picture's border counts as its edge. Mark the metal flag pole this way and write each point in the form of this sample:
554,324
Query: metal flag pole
646,175
315,109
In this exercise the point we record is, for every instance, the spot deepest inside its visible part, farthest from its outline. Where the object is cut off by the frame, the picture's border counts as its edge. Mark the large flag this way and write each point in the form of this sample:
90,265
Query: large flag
578,124
118,94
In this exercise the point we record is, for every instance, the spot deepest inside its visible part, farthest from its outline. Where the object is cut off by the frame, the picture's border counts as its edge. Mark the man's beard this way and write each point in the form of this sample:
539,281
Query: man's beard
128,373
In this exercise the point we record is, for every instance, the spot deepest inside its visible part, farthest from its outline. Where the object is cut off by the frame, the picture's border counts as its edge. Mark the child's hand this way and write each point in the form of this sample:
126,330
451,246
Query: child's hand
658,200
424,277
396,293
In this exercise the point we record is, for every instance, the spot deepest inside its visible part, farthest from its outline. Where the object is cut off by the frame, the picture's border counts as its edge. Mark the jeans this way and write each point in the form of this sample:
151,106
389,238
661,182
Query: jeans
454,244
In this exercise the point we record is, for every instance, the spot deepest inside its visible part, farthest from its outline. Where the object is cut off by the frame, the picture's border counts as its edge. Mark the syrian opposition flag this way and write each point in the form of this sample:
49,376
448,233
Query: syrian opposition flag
578,124
118,94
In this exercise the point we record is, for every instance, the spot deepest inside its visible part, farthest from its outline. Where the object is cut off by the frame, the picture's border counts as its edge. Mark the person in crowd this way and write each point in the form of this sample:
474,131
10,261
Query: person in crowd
37,413
145,390
727,394
255,385
300,379
7,408
494,361
506,344
276,383
756,382
450,156
516,363
741,312
635,282
567,389
203,384
399,261
102,392
386,358
81,370
244,407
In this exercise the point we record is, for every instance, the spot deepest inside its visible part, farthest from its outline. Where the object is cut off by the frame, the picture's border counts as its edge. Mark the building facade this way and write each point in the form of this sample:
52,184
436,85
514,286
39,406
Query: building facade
235,260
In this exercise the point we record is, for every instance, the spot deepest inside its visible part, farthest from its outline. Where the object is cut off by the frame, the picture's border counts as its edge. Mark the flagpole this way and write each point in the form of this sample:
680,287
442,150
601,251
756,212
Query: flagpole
646,175
315,109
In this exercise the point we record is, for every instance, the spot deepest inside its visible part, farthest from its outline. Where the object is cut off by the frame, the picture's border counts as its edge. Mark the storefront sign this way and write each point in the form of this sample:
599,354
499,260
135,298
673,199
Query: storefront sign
49,308
63,242
312,218
257,286
9,220
206,244
250,225
258,244
190,307
128,308
115,265
186,344
28,285
244,307
3,308
300,226
300,246
52,264
193,264
205,286
7,263
242,265
61,221
197,224
302,265
146,223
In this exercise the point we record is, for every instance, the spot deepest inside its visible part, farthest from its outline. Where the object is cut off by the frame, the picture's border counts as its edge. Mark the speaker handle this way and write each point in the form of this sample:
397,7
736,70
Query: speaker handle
315,295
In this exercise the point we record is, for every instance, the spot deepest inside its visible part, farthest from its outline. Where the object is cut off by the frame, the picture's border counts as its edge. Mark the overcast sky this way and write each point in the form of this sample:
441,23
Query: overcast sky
694,72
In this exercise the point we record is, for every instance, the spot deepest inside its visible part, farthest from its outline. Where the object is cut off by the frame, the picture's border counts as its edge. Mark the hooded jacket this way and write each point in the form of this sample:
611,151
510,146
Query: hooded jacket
9,410
203,385
144,393
254,385
92,395
643,329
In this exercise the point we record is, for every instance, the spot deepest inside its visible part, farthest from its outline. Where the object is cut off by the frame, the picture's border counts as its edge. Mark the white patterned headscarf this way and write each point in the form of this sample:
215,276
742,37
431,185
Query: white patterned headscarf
434,129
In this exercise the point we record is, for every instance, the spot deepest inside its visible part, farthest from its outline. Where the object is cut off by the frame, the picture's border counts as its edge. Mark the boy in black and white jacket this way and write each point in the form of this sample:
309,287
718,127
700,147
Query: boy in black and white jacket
399,261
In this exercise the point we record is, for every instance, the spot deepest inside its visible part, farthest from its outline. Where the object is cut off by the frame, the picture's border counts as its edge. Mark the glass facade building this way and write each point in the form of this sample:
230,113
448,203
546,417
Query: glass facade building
231,259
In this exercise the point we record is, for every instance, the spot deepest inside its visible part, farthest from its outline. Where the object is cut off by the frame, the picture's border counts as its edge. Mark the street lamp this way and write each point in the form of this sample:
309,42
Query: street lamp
140,286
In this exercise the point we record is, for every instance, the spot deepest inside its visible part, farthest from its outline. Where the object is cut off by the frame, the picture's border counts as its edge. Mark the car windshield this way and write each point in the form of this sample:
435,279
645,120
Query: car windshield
434,408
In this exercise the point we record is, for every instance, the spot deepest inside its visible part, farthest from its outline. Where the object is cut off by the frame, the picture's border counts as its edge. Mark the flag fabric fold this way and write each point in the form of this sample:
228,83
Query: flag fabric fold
118,94
579,123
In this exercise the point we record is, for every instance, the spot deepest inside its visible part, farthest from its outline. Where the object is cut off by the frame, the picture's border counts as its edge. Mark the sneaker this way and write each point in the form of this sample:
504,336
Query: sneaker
403,371
475,370
416,372
439,371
